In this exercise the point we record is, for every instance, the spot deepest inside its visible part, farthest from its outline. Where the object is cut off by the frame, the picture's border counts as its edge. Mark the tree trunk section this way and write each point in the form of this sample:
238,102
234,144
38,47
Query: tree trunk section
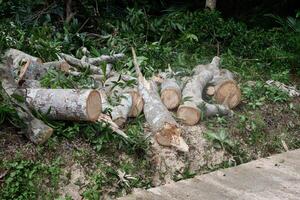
194,106
170,93
66,104
163,125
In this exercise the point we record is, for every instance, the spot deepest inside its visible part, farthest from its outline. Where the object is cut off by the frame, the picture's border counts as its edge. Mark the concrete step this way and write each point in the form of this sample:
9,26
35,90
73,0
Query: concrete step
275,177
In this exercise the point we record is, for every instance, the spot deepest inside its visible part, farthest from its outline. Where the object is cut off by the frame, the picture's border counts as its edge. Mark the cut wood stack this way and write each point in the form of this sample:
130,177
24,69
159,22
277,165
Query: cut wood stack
119,99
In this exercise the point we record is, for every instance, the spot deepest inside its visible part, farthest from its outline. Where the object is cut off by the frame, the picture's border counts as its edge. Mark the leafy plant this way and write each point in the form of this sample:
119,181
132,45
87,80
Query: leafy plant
25,179
220,139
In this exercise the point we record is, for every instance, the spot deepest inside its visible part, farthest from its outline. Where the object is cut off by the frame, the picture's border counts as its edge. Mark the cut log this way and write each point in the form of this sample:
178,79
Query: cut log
120,112
105,58
194,106
170,93
163,125
210,90
36,130
66,104
228,93
137,101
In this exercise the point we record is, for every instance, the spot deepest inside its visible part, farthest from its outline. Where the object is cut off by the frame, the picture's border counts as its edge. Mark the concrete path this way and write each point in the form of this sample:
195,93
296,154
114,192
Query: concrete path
276,177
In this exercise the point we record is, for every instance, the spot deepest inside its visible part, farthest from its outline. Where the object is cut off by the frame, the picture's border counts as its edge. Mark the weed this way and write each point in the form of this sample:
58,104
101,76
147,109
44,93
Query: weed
219,139
26,179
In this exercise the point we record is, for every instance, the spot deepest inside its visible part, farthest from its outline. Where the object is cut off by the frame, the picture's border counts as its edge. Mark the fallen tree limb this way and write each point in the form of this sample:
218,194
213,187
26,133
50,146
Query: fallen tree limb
82,64
163,125
61,65
36,130
66,104
114,127
105,58
194,106
291,90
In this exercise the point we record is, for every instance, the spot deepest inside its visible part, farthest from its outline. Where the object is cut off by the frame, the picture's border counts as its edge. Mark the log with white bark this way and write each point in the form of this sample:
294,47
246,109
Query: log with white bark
105,58
17,56
137,100
163,125
66,104
194,106
170,93
32,70
225,90
36,130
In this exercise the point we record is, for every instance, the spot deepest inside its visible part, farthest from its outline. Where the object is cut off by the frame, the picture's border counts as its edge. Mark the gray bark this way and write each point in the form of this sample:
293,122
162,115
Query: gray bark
66,104
36,130
163,125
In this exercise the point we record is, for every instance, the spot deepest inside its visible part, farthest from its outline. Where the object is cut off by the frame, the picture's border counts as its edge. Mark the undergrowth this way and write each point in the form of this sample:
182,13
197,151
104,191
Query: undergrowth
181,39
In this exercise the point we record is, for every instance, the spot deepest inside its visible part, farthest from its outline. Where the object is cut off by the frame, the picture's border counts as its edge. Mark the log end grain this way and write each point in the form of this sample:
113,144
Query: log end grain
210,90
188,114
228,93
93,107
171,98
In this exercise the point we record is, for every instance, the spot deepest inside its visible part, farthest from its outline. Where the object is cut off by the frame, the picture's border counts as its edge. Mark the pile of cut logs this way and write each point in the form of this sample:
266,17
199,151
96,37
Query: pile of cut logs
158,98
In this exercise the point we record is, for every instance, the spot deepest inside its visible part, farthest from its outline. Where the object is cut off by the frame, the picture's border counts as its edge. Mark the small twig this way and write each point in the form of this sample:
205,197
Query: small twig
84,23
218,48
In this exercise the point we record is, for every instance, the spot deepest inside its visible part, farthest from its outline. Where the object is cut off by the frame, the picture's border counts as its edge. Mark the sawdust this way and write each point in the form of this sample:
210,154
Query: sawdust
169,163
